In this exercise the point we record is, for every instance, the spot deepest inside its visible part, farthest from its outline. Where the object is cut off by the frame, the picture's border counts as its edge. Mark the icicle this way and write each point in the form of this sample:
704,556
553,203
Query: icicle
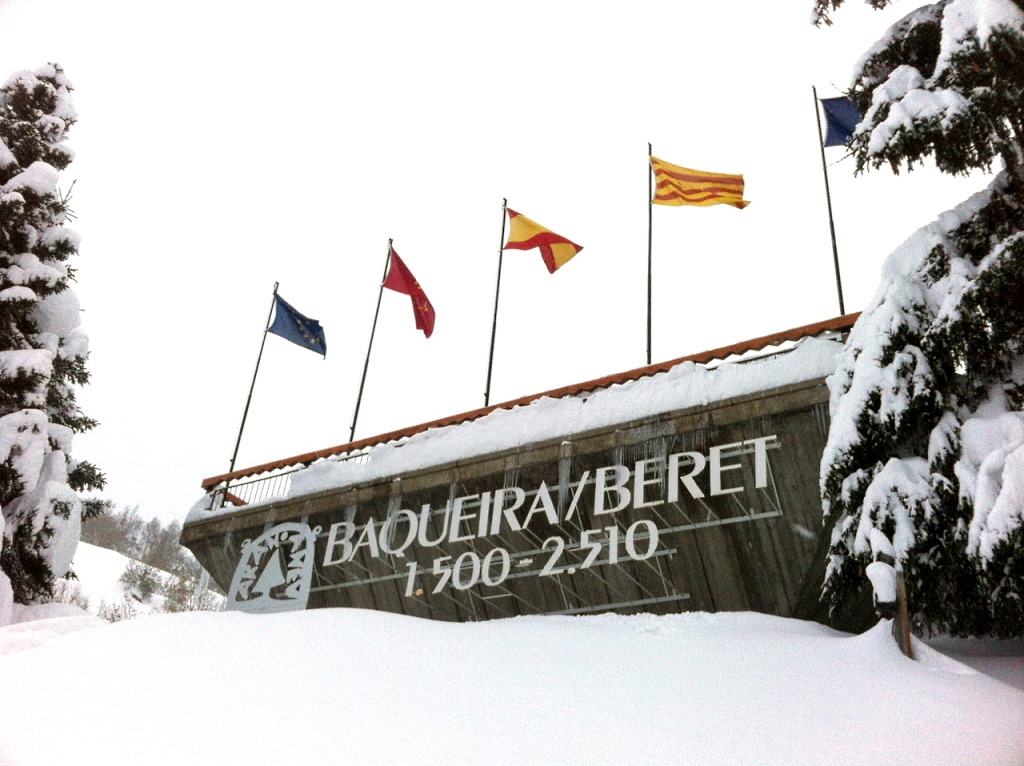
394,506
565,454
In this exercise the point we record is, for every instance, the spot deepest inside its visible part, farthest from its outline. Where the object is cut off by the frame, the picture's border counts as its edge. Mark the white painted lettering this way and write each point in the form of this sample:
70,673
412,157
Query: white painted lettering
457,518
346,529
542,503
715,472
387,533
601,486
369,539
509,512
761,460
640,482
425,514
577,493
698,461
485,514
616,488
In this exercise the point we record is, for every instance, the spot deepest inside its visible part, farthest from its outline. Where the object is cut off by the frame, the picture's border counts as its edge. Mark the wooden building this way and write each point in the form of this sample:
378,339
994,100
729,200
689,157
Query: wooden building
702,504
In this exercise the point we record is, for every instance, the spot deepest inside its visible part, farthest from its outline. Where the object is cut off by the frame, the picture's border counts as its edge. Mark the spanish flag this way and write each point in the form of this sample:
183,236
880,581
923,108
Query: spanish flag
685,186
401,280
525,234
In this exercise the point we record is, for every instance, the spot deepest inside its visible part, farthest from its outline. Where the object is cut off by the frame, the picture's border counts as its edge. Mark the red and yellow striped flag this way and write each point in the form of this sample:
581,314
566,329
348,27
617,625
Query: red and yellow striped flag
685,186
525,234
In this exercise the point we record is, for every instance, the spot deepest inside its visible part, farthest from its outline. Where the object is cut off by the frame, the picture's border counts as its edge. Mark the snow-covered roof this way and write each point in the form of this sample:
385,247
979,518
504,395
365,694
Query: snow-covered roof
742,351
792,356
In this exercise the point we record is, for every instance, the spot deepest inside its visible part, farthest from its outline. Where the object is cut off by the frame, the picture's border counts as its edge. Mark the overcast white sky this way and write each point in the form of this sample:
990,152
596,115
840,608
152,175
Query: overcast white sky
223,146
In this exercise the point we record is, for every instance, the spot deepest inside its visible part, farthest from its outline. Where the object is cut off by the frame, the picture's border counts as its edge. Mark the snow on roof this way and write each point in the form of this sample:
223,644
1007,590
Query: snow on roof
603,403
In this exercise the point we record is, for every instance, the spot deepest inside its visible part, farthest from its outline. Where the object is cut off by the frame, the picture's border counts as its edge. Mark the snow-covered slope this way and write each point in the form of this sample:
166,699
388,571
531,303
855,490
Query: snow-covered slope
98,571
738,688
99,590
351,686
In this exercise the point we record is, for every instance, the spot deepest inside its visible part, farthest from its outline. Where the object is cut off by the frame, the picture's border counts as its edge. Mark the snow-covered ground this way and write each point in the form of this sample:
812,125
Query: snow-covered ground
352,686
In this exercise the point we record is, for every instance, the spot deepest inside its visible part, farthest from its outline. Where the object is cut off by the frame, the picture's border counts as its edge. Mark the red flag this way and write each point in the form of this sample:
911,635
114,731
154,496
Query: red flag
401,280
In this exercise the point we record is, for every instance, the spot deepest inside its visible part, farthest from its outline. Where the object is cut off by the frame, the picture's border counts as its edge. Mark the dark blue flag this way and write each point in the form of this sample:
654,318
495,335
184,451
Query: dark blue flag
842,117
299,329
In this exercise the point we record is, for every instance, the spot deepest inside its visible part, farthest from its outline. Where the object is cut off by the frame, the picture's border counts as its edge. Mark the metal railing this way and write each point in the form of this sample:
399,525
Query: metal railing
271,485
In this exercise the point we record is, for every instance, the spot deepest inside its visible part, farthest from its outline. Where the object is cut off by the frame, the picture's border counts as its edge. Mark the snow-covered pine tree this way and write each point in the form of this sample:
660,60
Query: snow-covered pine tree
927,437
42,351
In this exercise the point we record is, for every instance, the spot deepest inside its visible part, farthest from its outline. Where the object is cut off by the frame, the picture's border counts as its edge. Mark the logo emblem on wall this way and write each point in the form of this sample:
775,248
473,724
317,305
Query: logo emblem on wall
275,570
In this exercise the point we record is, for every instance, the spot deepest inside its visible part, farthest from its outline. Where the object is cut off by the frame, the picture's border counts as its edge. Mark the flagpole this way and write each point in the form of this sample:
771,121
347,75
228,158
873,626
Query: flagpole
248,401
373,331
650,208
497,292
828,200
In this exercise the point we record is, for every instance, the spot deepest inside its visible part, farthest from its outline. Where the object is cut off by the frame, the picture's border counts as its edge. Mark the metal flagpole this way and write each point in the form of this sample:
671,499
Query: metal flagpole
828,199
650,208
373,331
497,292
245,413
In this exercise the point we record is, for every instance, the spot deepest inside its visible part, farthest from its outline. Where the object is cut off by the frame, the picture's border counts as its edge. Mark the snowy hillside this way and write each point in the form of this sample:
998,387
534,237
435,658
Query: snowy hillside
99,571
352,686
100,590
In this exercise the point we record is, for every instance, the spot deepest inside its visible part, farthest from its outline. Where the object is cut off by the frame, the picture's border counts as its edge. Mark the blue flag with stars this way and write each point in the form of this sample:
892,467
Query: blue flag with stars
842,116
299,329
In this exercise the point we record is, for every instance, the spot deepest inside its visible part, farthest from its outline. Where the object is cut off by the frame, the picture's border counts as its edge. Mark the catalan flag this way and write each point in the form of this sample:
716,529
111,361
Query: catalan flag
684,186
525,234
401,280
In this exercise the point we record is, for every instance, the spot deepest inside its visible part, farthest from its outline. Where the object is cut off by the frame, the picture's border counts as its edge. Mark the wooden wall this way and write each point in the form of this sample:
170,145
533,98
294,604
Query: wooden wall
762,549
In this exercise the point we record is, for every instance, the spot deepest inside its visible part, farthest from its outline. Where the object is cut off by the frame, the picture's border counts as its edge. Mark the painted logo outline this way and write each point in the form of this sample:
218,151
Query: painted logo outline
275,571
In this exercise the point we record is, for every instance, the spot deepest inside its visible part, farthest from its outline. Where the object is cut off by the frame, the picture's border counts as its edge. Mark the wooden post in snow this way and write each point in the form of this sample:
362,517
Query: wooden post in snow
901,623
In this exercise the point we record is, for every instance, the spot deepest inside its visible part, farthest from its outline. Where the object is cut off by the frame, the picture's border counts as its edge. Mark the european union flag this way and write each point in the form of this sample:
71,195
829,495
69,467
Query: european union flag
842,117
299,329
